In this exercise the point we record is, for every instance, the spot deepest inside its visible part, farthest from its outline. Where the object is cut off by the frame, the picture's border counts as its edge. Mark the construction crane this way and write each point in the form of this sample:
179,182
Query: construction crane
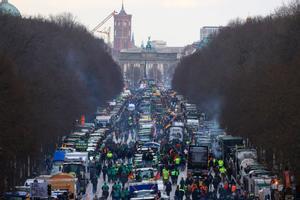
103,22
107,32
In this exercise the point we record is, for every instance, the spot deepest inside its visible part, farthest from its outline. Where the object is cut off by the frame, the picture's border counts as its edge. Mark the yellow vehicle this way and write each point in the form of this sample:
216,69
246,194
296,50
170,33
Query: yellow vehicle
157,93
64,182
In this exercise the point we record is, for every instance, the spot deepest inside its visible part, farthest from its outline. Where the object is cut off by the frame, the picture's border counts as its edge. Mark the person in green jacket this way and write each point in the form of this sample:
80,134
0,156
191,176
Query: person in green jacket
109,174
127,194
113,174
119,186
123,194
105,190
116,195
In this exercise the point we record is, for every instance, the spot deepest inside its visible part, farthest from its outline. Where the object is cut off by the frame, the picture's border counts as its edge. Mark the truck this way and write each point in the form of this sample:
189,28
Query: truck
176,133
242,156
193,123
65,183
77,163
228,143
258,183
58,160
198,160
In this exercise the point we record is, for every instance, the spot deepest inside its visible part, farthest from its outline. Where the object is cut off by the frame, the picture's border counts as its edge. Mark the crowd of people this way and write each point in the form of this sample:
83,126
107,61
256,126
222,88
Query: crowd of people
116,165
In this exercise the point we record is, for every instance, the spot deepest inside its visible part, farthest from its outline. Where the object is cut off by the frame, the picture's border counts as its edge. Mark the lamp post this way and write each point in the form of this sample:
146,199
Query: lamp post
145,66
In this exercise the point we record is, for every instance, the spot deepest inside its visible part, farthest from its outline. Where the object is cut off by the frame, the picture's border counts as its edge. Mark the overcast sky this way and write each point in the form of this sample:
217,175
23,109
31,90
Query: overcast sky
177,22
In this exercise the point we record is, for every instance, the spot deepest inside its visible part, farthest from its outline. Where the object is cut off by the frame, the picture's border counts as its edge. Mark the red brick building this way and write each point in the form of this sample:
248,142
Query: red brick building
122,31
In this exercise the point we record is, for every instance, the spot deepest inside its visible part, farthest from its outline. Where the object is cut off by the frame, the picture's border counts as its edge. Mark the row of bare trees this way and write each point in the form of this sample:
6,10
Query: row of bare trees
51,71
248,77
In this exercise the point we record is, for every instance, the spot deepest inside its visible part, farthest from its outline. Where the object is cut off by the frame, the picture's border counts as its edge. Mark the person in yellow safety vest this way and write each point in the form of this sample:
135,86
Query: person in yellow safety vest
177,161
215,162
174,176
222,170
109,155
166,175
220,163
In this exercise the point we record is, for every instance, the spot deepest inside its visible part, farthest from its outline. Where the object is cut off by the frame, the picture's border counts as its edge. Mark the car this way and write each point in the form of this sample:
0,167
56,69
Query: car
145,173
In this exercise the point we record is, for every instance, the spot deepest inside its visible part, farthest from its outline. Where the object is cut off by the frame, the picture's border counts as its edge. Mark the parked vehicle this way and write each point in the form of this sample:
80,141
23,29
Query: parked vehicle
77,163
103,121
64,182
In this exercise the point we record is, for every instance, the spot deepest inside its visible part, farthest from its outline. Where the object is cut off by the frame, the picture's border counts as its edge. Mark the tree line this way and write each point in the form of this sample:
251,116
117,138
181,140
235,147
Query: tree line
51,71
248,78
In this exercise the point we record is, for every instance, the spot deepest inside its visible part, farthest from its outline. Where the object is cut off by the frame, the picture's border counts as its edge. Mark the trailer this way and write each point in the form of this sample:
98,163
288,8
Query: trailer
198,160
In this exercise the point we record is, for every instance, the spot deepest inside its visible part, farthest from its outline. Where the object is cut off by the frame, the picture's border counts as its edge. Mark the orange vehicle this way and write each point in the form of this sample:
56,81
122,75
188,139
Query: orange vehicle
64,182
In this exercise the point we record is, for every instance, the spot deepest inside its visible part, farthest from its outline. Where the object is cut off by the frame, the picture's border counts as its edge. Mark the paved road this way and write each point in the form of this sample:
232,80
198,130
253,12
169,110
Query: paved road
89,191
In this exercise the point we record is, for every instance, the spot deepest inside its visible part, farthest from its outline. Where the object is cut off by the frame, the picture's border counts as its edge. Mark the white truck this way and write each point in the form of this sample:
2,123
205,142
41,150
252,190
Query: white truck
245,156
103,120
176,133
258,183
77,163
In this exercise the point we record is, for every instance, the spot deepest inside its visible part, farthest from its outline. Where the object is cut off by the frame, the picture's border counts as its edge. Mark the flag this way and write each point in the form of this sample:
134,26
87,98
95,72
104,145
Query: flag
130,176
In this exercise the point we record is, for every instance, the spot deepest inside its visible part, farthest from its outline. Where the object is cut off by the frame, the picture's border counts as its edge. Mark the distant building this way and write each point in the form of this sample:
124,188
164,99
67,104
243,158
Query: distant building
190,49
123,39
7,8
160,62
158,44
207,31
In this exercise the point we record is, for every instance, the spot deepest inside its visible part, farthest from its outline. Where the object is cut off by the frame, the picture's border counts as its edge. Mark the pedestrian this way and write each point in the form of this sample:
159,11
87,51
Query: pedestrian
173,176
127,194
124,177
181,193
109,156
188,192
166,175
211,190
109,174
183,163
114,173
94,181
158,195
177,193
115,194
123,194
189,180
98,168
196,193
104,172
105,190
168,188
177,161
182,182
